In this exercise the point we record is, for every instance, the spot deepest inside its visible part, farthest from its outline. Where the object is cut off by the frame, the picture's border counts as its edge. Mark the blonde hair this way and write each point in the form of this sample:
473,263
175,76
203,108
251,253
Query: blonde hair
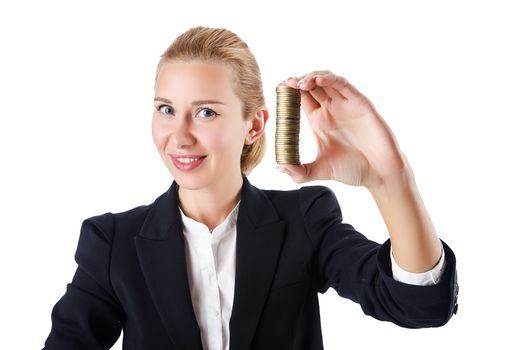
219,45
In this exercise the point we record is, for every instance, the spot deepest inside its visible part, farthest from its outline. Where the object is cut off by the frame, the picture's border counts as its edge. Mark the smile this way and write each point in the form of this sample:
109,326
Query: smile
187,164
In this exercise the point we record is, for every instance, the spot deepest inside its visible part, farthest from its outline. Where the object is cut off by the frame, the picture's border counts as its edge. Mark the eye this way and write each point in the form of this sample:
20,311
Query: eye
161,108
210,114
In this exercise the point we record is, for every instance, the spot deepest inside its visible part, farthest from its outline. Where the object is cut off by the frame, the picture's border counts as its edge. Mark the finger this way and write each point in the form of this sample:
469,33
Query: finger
338,83
322,91
316,72
318,93
291,81
304,172
294,81
297,172
329,90
308,102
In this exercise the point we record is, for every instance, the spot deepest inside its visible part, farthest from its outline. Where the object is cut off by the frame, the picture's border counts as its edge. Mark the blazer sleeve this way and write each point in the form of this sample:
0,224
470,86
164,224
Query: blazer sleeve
359,269
88,316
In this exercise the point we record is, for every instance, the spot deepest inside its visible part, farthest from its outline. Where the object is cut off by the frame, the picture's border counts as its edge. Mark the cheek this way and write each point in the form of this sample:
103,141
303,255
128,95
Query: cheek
216,140
228,140
158,134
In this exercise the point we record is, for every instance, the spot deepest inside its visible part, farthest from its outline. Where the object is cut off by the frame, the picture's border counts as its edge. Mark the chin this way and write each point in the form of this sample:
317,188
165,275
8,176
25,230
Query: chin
190,182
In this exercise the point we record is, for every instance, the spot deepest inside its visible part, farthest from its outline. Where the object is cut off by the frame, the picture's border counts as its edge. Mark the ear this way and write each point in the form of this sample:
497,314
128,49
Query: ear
257,126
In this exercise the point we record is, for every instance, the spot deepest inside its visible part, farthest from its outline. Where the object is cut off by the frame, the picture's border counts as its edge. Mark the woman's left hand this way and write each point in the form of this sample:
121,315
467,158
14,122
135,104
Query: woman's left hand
355,145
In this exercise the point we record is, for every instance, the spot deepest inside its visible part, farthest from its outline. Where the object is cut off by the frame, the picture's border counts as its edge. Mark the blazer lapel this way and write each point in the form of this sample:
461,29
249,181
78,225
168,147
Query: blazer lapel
160,248
161,252
260,235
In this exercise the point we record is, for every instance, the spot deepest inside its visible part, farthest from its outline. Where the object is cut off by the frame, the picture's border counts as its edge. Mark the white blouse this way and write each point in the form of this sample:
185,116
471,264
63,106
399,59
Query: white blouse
210,260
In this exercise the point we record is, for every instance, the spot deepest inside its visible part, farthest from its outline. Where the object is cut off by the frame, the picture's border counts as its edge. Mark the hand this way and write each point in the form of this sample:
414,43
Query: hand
355,145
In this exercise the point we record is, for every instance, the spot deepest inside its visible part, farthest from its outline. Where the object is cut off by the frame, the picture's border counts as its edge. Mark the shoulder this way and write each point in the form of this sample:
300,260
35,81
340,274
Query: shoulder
106,224
307,198
302,192
317,195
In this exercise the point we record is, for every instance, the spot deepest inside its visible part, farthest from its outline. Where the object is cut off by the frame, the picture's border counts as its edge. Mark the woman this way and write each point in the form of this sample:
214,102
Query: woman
215,262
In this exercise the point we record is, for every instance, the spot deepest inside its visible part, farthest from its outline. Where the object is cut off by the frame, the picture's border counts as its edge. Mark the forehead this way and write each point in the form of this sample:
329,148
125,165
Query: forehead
195,79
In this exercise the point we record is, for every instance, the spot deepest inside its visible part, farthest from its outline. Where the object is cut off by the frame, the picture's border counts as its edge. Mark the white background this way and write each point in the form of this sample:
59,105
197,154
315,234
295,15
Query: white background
450,78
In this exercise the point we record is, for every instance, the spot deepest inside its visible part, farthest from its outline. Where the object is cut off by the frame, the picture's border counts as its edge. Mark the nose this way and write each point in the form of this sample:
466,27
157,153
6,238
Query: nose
182,133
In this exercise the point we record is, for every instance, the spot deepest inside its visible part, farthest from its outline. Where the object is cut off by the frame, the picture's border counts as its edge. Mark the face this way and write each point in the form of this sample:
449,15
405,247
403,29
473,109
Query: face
197,114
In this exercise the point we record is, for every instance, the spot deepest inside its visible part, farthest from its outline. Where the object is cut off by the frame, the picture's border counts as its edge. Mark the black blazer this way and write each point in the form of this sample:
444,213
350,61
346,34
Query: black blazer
290,245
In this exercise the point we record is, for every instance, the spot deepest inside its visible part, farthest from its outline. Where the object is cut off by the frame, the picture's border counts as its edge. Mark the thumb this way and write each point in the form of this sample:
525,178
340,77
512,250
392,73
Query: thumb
299,173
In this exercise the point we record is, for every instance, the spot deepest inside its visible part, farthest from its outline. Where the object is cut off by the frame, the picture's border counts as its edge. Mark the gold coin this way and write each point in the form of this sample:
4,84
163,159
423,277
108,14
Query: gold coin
287,125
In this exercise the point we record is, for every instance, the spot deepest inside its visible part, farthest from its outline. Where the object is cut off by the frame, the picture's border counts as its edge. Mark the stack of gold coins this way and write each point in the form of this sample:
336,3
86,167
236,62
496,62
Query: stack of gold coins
288,125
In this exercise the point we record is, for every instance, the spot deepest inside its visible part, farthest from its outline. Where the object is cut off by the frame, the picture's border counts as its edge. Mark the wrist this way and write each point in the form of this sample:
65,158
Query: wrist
395,184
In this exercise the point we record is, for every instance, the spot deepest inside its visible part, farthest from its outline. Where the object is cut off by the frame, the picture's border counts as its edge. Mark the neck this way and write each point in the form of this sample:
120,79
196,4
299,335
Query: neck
211,206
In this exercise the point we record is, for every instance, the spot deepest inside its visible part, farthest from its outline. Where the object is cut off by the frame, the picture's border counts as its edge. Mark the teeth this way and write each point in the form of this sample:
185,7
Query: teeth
187,160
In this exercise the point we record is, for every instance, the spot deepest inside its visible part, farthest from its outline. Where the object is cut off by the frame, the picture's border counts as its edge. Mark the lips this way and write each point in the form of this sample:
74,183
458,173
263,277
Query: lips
187,162
186,155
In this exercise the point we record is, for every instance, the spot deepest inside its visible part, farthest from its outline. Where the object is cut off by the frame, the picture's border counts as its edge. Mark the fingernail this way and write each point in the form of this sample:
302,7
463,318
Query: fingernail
284,170
301,81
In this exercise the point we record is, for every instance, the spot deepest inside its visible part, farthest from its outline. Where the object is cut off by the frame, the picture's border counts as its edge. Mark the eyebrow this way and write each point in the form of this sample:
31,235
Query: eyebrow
194,103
